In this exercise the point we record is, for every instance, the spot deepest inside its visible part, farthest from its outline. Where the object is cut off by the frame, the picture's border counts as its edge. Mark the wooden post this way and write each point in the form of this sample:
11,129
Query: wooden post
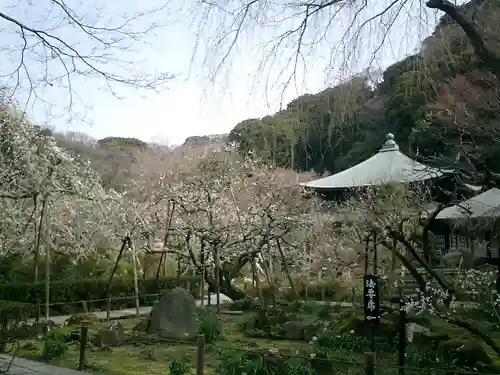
108,310
200,354
402,337
217,278
202,281
84,336
370,363
136,285
321,285
46,243
393,269
178,272
38,309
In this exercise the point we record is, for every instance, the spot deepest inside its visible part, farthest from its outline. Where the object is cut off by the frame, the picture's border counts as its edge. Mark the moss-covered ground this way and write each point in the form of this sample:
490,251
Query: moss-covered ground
152,357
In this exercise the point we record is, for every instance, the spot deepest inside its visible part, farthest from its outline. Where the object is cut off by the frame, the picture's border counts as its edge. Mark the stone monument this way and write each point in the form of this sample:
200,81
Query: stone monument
174,316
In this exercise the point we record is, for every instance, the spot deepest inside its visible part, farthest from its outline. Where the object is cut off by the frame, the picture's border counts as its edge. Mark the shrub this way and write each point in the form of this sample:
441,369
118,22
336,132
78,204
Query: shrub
72,336
331,291
210,327
296,366
14,310
238,363
324,311
178,367
245,304
64,294
330,343
12,316
267,323
55,346
420,355
232,363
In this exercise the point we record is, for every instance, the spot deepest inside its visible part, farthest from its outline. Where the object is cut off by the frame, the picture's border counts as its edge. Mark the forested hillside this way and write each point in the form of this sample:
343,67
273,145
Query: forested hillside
441,104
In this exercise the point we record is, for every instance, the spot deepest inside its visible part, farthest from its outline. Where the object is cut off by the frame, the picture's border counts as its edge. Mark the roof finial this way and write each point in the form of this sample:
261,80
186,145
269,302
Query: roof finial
390,144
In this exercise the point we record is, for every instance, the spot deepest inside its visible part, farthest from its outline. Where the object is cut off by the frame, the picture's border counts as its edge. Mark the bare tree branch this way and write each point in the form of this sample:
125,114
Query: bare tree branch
52,43
353,36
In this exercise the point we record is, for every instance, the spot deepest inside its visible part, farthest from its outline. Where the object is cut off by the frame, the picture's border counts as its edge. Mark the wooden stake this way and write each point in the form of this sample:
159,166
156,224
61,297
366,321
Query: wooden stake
136,285
200,354
84,337
46,243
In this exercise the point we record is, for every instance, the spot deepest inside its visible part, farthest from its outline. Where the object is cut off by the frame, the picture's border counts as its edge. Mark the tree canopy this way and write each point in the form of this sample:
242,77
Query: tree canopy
441,103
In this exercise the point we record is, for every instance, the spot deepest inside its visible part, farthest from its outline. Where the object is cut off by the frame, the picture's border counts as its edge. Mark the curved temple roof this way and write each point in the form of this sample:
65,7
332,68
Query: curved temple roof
389,165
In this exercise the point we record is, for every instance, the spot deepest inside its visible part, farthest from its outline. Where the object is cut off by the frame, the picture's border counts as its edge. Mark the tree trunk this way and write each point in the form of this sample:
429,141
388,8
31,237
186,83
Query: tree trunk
287,273
225,286
108,285
257,283
46,242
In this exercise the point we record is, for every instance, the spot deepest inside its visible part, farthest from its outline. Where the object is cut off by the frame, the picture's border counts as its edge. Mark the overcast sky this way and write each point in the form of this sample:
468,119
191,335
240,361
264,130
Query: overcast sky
191,104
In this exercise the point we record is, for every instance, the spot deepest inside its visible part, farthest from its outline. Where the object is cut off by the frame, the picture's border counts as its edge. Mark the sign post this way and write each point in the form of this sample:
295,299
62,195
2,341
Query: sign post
371,299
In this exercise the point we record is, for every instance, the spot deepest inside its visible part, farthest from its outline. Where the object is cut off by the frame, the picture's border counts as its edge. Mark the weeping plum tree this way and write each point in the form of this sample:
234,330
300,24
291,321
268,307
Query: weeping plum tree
53,198
229,210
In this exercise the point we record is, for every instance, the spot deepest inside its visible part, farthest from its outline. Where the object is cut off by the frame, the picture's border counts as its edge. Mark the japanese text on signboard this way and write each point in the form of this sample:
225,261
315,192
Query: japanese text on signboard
371,298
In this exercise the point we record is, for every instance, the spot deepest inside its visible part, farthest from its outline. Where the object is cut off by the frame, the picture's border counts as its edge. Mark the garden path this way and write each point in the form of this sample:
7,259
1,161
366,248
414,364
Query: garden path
145,310
21,366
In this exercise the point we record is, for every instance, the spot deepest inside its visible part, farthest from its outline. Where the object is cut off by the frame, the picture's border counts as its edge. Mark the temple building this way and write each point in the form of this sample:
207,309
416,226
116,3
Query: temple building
390,166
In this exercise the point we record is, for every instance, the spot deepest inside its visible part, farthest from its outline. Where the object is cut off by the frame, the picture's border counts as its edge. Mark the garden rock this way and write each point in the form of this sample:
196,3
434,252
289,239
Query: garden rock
78,319
112,336
414,329
386,329
465,353
174,316
311,330
148,354
32,329
292,331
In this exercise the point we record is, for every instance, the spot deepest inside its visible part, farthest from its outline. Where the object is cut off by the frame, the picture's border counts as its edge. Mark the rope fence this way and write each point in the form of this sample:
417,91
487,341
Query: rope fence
34,310
336,365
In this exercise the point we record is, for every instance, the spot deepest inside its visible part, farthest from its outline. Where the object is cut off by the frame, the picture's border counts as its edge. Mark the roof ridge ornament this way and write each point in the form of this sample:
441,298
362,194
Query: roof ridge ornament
389,144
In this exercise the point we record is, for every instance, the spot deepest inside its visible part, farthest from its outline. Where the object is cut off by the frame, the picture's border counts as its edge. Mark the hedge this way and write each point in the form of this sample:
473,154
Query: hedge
13,311
66,296
328,290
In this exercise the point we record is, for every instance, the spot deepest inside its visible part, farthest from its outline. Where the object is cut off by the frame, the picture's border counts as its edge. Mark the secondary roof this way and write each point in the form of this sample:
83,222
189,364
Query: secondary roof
484,205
